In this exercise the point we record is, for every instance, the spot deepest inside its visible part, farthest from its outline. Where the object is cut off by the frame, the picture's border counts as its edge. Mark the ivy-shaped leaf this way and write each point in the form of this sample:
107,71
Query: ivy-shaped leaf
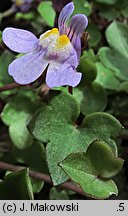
91,98
116,57
55,124
106,77
16,186
16,114
92,172
121,32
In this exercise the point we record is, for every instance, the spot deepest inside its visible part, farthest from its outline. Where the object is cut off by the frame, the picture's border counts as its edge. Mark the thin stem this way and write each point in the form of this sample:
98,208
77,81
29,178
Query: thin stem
8,12
70,89
42,177
10,86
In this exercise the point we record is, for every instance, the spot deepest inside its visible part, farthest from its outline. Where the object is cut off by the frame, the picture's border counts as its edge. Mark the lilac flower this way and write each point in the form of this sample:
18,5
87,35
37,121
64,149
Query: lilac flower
58,50
23,5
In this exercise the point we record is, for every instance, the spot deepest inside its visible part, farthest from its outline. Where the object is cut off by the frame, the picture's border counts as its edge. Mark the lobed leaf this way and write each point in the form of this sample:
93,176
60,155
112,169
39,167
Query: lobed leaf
92,172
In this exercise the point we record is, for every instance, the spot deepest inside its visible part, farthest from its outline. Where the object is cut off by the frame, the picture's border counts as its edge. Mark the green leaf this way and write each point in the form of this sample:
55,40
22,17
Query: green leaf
116,58
88,171
114,61
26,16
119,106
102,126
0,36
88,69
108,12
82,7
16,186
110,165
120,42
47,12
5,59
124,86
55,124
95,35
37,185
125,11
16,114
20,135
27,157
17,108
91,98
107,1
106,77
58,195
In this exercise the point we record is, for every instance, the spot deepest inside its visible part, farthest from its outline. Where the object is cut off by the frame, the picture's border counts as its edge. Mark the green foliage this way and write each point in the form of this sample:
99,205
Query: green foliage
28,16
20,110
88,69
91,98
27,157
107,1
58,195
47,12
112,9
95,35
5,59
16,186
116,58
37,185
106,77
109,13
65,136
120,42
90,173
0,36
82,7
89,94
57,127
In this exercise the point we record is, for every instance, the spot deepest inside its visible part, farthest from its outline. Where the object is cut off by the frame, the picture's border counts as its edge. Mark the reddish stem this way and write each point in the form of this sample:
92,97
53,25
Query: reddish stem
10,86
42,177
70,90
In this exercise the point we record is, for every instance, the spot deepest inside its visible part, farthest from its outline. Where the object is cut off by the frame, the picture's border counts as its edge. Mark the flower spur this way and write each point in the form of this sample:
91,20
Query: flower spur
58,50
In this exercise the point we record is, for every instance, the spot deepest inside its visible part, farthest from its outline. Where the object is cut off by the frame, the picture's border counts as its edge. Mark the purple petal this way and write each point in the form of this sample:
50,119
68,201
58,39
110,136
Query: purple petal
75,28
76,41
27,68
61,75
63,17
77,25
18,40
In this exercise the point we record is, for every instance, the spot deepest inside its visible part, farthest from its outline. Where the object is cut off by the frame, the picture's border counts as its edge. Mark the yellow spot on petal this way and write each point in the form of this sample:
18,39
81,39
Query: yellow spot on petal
62,41
19,2
53,31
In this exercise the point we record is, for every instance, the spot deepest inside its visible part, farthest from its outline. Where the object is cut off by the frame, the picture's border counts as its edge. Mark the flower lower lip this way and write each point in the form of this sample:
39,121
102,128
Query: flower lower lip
52,57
